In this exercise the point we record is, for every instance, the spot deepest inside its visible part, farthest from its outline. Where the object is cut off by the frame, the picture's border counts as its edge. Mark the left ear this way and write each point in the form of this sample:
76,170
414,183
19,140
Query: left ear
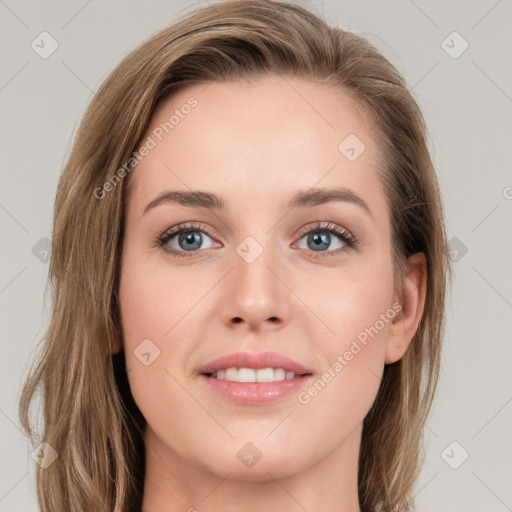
412,298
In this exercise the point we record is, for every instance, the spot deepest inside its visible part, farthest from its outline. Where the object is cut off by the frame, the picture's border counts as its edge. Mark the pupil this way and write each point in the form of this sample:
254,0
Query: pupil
190,238
318,240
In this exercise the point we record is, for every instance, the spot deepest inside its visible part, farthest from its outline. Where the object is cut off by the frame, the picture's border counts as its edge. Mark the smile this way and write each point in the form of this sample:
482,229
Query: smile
254,378
253,375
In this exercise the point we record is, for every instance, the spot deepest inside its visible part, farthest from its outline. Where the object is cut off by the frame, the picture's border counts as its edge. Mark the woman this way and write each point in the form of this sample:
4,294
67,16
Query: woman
249,276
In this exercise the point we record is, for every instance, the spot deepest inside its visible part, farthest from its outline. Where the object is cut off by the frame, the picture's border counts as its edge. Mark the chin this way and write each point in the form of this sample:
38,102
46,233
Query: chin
250,464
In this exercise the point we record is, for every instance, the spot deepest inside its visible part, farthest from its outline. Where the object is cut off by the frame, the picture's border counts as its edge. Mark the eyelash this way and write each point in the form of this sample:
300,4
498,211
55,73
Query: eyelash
346,237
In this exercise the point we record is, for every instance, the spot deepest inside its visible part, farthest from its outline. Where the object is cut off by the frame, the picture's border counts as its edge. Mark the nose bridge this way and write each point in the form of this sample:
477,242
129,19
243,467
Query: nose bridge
256,294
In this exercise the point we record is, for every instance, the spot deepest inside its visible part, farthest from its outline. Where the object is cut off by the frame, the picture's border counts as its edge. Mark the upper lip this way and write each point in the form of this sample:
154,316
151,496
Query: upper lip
256,361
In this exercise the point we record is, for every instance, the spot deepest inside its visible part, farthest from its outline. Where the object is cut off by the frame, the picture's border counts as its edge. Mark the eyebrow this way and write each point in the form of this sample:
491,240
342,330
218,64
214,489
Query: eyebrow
301,199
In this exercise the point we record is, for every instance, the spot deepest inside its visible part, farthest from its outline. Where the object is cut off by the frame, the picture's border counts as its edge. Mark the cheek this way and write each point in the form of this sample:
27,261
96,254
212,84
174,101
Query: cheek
354,361
358,310
157,307
146,317
352,304
150,310
154,301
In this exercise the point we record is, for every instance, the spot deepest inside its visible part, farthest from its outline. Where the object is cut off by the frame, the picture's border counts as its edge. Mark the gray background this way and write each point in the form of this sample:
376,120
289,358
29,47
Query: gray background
467,102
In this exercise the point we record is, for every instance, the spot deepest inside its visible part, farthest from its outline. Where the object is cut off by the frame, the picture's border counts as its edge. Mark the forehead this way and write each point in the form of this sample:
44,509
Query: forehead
256,143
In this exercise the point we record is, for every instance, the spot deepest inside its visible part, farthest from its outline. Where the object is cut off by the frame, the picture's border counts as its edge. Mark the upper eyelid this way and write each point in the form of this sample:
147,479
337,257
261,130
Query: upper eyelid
184,227
327,226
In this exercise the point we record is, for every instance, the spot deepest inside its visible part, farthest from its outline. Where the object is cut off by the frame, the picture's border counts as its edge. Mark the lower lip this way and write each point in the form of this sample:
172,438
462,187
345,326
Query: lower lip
255,393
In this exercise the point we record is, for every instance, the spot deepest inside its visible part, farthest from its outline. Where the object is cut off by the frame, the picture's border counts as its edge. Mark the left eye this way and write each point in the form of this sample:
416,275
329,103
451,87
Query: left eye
319,240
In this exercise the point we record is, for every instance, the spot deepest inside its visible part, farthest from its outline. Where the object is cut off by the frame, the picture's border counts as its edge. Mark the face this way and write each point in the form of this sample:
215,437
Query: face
311,283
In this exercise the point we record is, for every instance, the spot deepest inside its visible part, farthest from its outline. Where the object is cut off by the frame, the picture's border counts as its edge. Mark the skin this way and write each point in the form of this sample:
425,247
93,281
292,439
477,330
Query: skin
291,299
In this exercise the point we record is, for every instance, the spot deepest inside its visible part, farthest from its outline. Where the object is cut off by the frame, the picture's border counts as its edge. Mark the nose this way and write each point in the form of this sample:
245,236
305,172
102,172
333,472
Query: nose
256,296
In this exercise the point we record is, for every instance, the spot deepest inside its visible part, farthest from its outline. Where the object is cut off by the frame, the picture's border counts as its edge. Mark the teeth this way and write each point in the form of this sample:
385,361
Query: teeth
265,375
252,375
246,375
279,374
231,374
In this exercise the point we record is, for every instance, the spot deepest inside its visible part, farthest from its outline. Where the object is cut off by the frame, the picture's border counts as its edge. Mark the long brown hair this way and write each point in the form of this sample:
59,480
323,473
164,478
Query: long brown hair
90,418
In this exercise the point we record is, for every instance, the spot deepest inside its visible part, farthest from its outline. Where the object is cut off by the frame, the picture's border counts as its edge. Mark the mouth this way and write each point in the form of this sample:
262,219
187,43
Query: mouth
248,375
245,378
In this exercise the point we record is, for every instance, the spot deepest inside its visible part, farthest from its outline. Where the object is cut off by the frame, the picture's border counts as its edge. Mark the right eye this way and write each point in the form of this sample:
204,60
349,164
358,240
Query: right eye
184,239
